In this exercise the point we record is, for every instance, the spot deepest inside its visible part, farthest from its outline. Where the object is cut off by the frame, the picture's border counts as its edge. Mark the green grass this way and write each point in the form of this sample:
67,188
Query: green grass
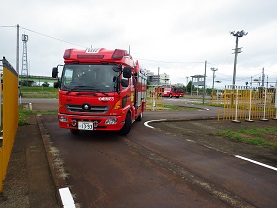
39,92
254,131
23,114
251,136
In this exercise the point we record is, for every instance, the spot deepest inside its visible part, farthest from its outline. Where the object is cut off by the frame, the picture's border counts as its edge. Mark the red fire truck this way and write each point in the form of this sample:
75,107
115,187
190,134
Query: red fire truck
173,92
100,89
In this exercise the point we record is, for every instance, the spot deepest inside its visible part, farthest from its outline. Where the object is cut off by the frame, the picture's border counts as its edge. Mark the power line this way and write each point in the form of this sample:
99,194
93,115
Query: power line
170,62
58,39
7,26
48,36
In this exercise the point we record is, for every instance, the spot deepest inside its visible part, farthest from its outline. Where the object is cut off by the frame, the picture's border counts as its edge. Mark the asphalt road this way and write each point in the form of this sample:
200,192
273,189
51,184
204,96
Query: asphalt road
107,170
148,168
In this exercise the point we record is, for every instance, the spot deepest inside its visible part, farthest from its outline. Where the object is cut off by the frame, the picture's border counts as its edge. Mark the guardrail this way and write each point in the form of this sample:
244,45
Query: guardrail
9,115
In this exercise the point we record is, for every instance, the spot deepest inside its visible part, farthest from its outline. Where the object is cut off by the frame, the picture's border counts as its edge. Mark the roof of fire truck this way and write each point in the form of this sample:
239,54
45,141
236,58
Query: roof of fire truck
98,55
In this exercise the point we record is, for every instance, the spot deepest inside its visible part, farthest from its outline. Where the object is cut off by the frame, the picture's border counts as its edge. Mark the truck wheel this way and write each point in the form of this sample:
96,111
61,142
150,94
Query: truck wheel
170,96
74,131
127,126
139,118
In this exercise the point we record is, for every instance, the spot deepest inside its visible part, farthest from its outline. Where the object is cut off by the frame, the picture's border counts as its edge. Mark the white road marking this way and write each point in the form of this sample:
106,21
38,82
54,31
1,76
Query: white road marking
67,198
146,123
258,163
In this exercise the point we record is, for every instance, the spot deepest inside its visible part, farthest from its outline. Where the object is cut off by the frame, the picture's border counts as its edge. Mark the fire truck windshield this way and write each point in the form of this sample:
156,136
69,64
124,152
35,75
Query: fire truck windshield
89,77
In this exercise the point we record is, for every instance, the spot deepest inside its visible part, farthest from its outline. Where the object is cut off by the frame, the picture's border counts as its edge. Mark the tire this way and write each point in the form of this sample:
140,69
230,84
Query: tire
170,96
127,126
74,131
139,118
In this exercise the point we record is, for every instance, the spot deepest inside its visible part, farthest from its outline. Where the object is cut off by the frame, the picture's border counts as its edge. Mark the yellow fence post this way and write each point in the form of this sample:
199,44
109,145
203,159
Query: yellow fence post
154,98
10,116
247,103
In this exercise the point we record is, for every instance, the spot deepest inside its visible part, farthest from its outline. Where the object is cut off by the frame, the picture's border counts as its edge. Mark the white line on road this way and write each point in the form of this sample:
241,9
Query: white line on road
146,123
67,198
258,163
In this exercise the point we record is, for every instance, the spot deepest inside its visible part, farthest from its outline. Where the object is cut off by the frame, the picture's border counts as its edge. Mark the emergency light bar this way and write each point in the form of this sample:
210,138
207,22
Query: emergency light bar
100,53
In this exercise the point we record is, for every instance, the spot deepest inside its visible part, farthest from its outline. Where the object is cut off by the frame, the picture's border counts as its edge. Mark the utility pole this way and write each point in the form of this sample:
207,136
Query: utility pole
214,70
17,50
238,35
158,76
204,88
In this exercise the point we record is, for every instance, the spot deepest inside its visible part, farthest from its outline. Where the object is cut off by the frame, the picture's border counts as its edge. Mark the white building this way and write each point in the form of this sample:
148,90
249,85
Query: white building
161,79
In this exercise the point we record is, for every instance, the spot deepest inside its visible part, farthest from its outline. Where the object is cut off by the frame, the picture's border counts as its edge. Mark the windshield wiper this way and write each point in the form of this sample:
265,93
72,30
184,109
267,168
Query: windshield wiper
74,89
78,87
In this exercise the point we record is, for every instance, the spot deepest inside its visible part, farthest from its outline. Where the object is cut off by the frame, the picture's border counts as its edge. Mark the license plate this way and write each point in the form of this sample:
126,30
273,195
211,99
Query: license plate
85,125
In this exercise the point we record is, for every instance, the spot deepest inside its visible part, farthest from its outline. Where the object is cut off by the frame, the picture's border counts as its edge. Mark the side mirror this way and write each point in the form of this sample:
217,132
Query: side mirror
124,82
57,84
127,72
55,72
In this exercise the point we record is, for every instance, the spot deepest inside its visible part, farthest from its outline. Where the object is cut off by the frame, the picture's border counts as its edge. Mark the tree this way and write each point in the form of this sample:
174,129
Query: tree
27,83
189,86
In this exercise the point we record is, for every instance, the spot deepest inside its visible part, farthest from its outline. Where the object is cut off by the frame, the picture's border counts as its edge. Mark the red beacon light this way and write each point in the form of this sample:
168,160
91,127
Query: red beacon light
119,54
67,53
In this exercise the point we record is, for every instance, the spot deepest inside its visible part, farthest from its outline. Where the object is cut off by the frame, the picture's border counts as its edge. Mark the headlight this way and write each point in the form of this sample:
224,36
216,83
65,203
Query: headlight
63,119
111,121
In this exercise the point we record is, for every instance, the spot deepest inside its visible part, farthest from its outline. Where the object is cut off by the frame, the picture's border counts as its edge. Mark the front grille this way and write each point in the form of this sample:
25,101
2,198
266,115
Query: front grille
92,109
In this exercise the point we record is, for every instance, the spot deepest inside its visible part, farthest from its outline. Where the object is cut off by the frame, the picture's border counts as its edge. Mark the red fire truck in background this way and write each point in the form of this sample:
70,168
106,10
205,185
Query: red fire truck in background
100,89
173,92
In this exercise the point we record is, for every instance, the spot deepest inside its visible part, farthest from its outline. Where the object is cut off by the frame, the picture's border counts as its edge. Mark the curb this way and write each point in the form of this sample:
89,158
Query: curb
63,194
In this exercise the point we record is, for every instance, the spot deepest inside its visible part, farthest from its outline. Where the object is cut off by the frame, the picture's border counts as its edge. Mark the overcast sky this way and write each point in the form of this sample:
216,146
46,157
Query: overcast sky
177,35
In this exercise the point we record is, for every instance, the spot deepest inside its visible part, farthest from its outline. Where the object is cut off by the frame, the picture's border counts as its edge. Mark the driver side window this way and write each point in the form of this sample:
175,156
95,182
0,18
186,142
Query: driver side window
68,77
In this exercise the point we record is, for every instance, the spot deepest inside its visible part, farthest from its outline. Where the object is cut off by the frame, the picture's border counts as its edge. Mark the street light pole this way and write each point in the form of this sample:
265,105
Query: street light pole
238,35
214,70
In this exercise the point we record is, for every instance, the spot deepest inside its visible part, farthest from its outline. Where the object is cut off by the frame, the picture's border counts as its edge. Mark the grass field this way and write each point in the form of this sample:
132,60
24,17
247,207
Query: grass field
257,136
39,92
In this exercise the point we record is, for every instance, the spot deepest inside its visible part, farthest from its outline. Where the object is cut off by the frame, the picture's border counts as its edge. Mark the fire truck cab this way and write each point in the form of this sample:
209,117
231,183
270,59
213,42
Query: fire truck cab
100,89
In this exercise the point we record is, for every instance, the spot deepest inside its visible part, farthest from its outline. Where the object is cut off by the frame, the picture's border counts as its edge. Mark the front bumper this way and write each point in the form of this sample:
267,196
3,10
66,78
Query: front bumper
106,123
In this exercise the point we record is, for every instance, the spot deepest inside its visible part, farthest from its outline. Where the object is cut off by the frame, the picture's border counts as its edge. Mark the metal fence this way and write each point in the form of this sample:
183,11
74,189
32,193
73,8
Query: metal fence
154,101
246,103
9,115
